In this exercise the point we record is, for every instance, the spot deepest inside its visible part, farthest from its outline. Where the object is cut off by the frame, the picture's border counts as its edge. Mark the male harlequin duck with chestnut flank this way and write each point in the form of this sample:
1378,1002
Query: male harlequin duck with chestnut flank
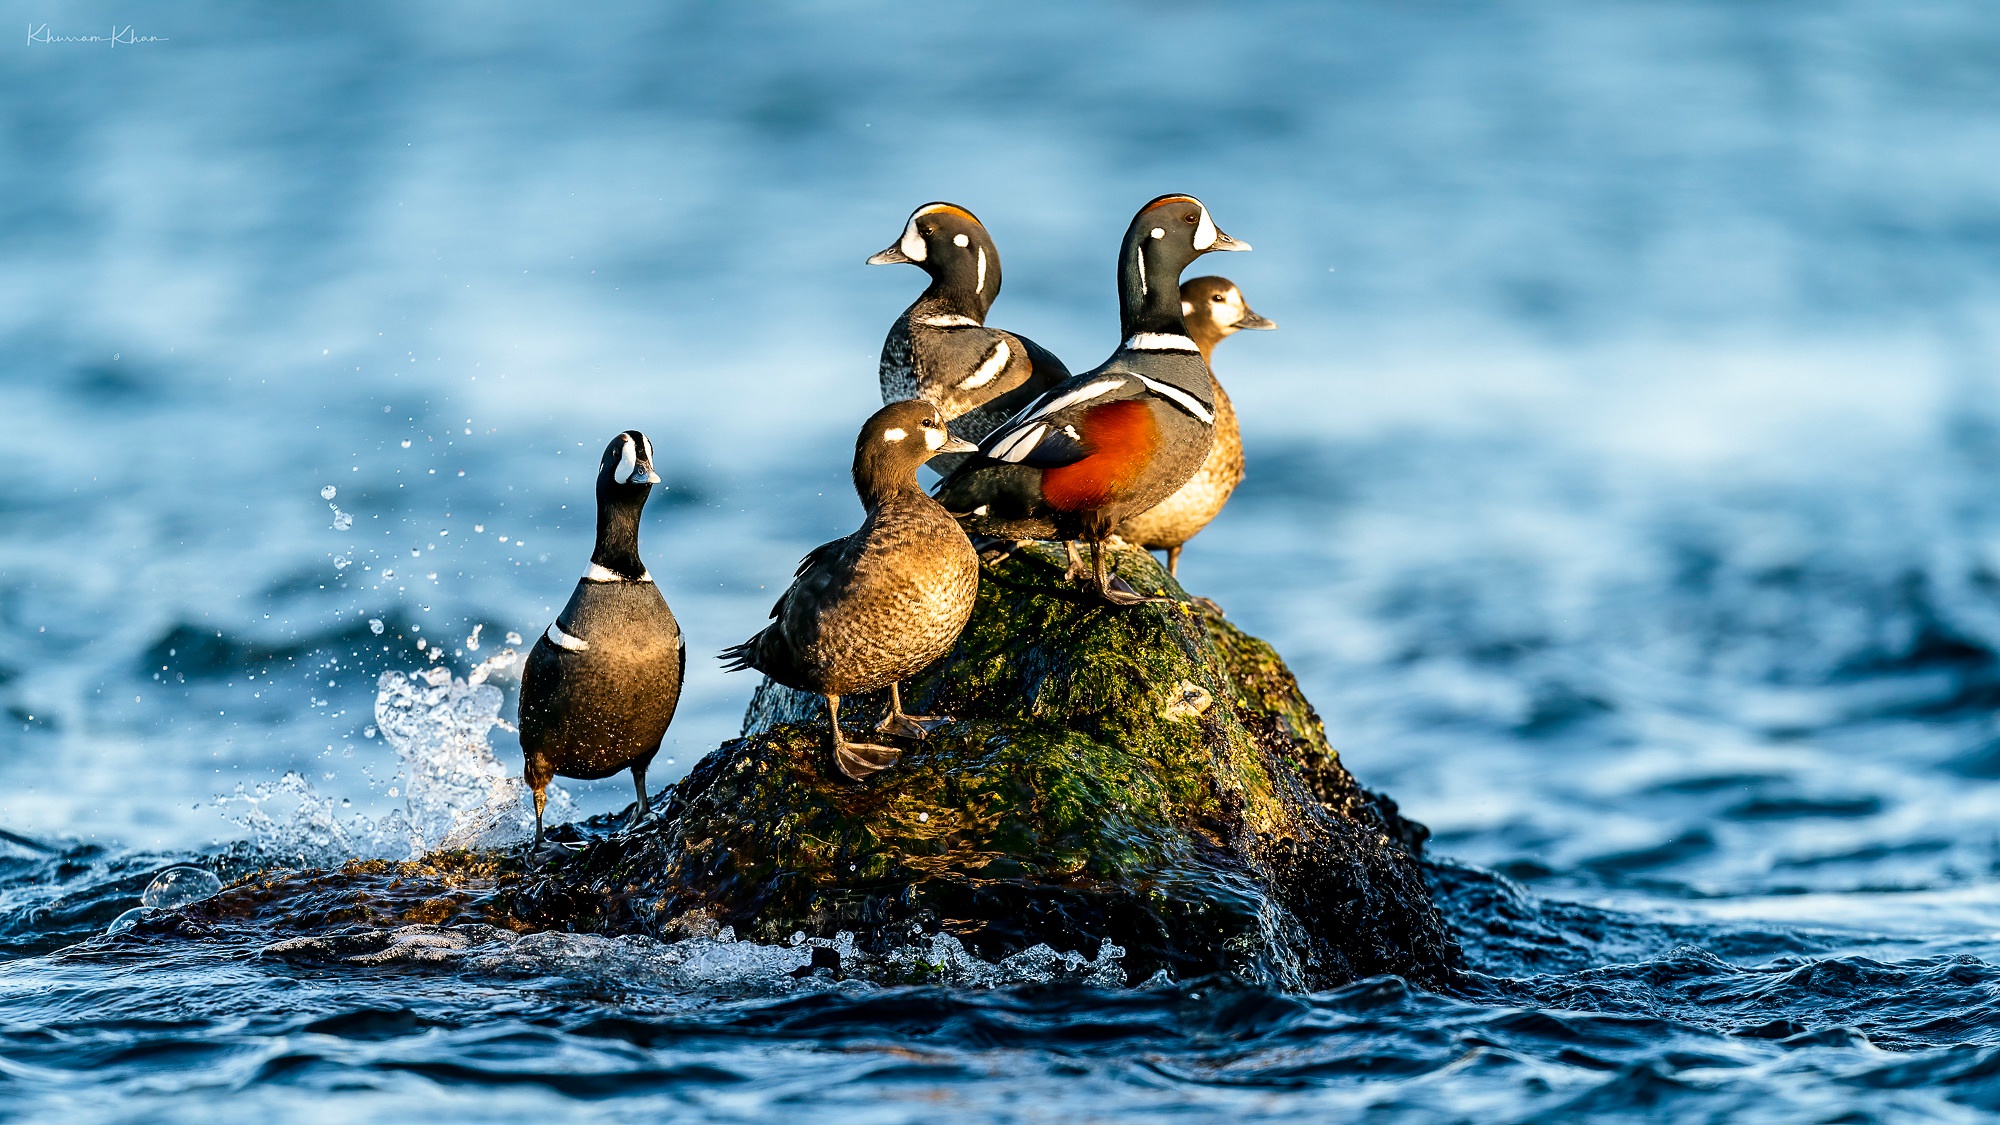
940,349
866,611
1214,309
601,684
1108,444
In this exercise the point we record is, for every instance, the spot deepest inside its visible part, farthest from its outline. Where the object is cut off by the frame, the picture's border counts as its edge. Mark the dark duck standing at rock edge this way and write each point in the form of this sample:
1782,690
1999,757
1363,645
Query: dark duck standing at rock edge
601,684
1110,443
866,611
940,349
1215,310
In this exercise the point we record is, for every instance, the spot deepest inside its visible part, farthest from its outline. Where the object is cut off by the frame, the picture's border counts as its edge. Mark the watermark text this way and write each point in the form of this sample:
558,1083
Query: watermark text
40,35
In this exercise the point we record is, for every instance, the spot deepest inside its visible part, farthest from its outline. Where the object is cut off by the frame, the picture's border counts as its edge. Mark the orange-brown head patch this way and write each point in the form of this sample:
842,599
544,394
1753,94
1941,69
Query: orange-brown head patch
950,209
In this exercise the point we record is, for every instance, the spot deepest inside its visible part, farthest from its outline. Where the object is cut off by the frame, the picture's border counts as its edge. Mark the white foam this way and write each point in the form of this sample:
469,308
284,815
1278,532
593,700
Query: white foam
715,962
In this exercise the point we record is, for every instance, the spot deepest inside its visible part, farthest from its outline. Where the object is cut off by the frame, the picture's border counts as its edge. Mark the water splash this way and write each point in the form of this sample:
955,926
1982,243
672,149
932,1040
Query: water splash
457,793
290,821
178,886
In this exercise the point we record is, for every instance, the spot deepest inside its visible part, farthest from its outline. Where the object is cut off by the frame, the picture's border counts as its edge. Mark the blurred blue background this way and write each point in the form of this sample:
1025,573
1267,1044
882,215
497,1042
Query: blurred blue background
1620,475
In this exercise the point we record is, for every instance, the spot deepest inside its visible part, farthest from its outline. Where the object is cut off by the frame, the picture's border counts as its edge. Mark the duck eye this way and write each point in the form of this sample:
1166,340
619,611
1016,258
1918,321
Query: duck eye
1218,298
1190,219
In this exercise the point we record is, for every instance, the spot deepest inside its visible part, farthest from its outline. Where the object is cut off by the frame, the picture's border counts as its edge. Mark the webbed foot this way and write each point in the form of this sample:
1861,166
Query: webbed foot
995,551
911,726
1117,591
861,760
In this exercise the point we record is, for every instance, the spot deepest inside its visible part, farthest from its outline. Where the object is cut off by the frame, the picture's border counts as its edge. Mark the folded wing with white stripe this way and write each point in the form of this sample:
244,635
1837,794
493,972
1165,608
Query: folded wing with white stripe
1030,437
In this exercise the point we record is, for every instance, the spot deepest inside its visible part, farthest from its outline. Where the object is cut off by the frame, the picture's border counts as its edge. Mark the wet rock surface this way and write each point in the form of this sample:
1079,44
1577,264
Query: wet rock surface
1147,780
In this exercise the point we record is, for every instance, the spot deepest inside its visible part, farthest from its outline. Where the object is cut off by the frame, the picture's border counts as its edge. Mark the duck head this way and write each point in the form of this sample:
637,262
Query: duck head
950,244
893,442
625,478
1214,310
1164,237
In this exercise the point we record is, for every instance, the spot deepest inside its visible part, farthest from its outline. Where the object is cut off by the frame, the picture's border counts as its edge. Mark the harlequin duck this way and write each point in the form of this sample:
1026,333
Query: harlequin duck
1110,443
866,611
601,684
1214,310
940,349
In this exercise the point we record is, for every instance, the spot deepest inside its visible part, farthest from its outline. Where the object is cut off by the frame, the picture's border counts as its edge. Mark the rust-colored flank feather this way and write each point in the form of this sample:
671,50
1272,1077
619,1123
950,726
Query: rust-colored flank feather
1122,437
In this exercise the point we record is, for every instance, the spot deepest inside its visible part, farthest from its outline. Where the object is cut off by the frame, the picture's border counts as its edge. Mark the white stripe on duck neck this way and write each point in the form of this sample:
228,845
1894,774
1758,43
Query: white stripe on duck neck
1160,342
947,320
564,641
600,573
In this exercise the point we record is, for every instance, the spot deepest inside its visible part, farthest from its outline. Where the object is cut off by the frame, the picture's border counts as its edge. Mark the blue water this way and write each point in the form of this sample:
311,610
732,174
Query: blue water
1621,490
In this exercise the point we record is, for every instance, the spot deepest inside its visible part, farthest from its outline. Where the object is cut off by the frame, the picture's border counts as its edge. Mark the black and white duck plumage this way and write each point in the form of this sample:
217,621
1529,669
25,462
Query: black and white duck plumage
941,349
601,684
1114,441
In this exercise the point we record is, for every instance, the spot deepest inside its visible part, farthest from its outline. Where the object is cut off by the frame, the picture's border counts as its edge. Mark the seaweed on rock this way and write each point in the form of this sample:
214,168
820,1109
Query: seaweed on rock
1149,778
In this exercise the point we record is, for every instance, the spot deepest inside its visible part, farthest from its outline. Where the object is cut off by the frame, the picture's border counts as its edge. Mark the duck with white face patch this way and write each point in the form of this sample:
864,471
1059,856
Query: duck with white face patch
869,610
601,684
1103,446
1215,310
940,349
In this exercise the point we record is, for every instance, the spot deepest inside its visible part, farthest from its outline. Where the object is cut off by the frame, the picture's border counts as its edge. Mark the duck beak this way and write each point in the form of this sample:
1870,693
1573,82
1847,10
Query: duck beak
1252,320
955,444
1224,242
644,474
892,256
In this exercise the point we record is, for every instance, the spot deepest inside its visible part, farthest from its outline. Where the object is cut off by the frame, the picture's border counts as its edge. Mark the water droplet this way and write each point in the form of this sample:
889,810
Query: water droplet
341,520
328,492
406,443
178,886
127,920
375,626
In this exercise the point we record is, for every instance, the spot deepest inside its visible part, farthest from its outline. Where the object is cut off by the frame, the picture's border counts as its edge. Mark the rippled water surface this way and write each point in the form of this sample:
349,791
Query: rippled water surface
1621,490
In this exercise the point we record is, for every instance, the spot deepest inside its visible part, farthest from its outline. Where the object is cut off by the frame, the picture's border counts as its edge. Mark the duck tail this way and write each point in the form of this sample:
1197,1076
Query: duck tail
742,657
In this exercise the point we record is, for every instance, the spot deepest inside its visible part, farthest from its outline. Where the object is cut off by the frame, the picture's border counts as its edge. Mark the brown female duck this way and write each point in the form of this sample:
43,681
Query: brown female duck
866,611
1215,310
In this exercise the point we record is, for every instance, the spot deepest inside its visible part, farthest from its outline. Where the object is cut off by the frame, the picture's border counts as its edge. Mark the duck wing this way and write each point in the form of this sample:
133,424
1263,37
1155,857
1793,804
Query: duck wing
1049,371
770,651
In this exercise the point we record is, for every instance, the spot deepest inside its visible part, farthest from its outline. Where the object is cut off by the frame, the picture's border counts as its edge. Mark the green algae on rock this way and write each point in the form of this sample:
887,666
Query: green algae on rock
1148,779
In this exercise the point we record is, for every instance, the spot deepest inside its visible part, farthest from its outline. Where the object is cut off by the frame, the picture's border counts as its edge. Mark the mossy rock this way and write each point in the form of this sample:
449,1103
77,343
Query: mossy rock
1149,777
